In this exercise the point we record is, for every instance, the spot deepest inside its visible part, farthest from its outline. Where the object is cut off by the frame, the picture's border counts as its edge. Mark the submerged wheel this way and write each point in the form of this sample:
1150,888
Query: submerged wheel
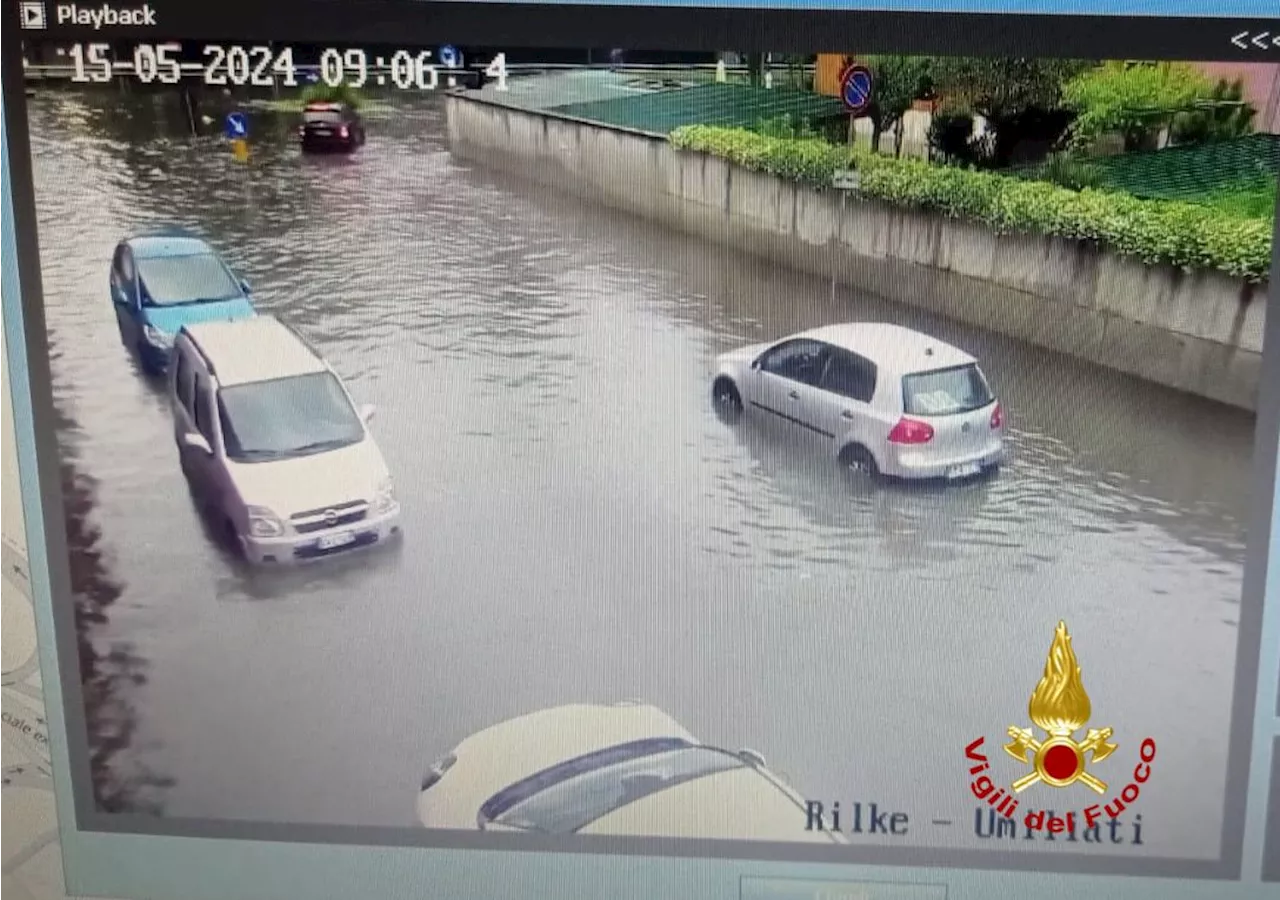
725,396
858,459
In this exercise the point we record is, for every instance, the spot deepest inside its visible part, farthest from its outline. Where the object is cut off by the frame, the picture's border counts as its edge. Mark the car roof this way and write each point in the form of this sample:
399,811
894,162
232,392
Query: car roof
892,347
259,348
327,106
503,754
167,242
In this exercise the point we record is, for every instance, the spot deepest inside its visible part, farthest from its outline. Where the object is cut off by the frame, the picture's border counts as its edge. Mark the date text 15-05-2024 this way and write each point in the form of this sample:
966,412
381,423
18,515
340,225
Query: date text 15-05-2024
264,66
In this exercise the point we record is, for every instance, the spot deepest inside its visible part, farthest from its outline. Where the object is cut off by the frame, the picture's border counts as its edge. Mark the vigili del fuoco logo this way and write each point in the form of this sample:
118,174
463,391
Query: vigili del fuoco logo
1059,708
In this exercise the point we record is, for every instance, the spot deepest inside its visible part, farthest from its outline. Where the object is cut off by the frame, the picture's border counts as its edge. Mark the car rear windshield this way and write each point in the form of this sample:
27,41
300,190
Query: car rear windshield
287,417
945,392
173,280
322,117
568,806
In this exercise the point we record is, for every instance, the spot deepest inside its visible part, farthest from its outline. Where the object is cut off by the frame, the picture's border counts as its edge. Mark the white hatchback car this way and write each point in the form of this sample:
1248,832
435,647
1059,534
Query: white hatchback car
625,769
273,445
887,400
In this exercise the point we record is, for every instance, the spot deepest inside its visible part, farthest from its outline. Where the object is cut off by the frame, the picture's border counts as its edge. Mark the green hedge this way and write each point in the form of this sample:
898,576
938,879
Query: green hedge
1155,231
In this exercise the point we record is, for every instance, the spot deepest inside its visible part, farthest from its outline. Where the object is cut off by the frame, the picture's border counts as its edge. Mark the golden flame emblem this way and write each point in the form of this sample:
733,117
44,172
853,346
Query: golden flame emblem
1060,707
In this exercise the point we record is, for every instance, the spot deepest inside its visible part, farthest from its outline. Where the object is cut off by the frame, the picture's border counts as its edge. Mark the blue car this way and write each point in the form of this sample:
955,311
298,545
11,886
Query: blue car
164,280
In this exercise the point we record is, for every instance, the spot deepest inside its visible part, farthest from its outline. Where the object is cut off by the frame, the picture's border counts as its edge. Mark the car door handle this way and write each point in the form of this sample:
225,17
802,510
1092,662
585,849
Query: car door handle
794,395
847,414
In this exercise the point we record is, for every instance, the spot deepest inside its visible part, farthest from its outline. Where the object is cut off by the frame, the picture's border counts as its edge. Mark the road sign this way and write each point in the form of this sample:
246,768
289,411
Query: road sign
236,127
846,180
450,58
855,88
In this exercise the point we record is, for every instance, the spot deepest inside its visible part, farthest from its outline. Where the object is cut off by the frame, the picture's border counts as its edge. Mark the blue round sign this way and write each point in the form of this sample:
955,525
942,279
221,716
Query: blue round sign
449,57
236,127
855,88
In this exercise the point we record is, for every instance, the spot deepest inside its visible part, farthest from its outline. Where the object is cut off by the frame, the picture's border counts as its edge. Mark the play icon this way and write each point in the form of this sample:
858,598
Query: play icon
32,14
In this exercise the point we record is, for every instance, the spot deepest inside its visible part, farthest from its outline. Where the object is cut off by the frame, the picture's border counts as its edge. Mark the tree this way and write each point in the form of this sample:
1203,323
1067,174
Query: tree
1134,99
1020,99
896,83
339,93
1225,116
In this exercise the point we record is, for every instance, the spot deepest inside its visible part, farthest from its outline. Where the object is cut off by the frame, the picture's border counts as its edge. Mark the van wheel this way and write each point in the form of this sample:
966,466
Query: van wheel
727,400
858,459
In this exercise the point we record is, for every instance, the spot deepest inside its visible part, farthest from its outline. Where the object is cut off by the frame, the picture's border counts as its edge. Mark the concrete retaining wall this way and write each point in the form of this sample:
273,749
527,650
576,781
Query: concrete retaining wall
1200,332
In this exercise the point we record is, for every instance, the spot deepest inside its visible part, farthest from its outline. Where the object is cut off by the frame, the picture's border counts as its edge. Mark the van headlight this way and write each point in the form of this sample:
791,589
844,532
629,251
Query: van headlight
157,338
385,497
264,523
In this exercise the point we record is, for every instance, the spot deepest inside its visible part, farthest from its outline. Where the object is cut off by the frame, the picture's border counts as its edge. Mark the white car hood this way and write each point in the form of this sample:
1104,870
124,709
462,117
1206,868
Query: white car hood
289,486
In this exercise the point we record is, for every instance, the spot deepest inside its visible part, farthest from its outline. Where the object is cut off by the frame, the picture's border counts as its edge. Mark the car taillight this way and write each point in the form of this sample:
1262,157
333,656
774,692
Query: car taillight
997,417
910,431
342,132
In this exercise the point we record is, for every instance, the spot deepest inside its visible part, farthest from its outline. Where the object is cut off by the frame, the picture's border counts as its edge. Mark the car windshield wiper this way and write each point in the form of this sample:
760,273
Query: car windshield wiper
321,446
198,300
258,455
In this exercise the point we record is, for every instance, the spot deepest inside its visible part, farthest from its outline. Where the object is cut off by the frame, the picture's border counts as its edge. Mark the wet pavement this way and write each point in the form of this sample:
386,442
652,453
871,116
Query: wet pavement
579,526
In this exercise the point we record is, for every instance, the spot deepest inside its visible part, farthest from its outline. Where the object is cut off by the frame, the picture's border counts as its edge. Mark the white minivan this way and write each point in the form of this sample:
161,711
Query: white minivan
886,400
273,445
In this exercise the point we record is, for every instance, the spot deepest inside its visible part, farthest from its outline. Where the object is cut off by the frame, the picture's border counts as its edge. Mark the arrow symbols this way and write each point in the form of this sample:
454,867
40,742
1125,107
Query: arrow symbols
1263,40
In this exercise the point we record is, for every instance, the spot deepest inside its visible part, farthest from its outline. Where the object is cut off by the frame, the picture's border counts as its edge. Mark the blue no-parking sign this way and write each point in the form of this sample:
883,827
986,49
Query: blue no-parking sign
855,88
236,127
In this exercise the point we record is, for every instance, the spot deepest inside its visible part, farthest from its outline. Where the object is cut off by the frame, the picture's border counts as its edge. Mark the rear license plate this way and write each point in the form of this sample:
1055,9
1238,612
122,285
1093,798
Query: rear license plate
330,541
964,471
321,131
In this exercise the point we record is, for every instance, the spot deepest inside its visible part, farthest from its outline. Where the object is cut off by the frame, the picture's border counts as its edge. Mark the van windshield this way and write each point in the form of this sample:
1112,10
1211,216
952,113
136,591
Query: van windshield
945,392
287,417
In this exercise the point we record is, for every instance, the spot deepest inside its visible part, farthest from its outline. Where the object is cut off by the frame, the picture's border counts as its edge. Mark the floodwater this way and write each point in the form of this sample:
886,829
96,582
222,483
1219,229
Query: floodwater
579,525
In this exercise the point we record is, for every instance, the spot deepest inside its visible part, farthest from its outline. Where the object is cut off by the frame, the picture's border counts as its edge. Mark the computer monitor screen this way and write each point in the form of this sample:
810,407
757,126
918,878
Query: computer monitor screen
835,454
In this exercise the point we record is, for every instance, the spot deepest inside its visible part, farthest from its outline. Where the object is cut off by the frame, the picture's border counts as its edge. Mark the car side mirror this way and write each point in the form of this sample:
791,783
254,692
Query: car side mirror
751,758
366,412
244,286
755,363
197,442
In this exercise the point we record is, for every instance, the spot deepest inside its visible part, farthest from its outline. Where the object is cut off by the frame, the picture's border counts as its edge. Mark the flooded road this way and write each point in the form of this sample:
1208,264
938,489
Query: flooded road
579,526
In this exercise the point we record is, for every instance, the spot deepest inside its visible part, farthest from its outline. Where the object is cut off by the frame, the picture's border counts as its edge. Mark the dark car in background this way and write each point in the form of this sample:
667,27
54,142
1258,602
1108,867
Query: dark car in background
330,128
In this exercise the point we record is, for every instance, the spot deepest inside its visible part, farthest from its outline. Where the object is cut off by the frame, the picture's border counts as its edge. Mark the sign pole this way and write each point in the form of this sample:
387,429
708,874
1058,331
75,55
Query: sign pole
844,196
844,181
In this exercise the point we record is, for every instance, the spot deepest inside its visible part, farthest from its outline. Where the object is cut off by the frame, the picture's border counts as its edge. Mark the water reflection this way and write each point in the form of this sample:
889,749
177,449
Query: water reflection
578,524
112,674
